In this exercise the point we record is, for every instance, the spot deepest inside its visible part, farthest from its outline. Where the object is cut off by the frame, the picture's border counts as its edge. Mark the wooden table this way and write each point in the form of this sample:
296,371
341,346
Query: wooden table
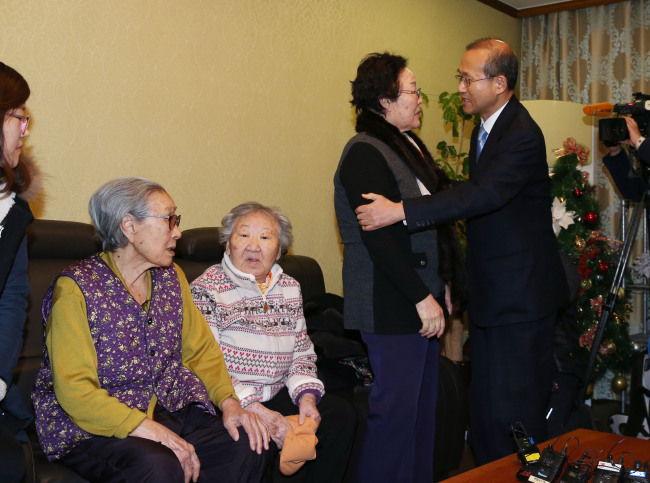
506,468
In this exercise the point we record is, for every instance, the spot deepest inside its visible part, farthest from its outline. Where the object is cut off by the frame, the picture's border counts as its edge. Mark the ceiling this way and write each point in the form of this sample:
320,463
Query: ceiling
521,4
532,8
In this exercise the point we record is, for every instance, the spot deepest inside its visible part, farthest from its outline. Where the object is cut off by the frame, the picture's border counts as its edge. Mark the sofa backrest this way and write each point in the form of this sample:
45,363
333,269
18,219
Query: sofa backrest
53,245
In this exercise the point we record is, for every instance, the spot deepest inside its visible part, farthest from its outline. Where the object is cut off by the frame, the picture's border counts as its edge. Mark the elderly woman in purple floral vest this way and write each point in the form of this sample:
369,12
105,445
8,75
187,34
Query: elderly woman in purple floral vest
131,374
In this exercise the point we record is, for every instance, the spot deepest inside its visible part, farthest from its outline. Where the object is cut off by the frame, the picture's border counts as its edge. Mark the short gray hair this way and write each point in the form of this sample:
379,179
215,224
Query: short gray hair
228,222
113,201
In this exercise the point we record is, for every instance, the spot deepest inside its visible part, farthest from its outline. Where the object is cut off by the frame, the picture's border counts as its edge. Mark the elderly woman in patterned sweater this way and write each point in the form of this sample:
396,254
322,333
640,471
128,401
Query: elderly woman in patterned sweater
131,375
255,313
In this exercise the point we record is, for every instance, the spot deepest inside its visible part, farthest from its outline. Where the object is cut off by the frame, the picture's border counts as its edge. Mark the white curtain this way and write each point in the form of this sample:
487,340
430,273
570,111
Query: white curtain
596,54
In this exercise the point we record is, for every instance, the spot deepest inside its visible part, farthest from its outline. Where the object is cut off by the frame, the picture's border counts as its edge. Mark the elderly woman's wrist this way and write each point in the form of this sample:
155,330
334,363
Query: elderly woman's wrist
230,403
313,392
254,407
247,402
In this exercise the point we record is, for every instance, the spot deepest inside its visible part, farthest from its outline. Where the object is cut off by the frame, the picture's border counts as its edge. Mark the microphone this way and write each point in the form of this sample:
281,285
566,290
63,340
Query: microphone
600,109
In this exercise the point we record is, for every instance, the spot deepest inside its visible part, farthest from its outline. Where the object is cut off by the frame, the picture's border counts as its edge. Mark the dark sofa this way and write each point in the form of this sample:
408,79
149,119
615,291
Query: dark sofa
53,245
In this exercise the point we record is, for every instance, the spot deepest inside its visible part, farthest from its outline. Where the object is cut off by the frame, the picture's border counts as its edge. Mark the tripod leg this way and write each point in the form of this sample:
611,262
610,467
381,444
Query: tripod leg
610,301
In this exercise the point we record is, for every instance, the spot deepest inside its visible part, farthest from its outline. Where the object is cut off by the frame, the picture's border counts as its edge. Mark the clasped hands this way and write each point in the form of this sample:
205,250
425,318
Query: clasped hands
277,424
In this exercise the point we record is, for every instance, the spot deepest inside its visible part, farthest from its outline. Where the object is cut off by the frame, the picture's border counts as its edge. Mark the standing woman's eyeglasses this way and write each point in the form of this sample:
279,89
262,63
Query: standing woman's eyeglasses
406,91
24,121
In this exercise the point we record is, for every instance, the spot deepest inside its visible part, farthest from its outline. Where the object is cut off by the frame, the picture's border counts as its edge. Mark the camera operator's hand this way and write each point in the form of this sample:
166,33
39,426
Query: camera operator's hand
633,129
635,135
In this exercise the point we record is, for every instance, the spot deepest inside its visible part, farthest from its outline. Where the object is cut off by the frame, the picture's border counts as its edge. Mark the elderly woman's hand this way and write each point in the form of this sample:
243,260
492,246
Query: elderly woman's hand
184,451
308,408
275,422
432,317
234,416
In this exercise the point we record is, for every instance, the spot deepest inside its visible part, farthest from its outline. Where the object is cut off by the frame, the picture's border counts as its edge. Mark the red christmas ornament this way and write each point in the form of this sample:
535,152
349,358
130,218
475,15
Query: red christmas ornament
578,192
590,218
603,267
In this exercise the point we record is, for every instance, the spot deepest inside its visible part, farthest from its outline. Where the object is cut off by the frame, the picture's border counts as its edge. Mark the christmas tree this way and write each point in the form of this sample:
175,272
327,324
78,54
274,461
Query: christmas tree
577,226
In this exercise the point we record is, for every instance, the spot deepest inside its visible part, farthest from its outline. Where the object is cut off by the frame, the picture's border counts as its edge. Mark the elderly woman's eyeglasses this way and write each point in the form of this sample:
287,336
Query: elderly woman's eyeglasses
404,91
24,120
467,81
174,220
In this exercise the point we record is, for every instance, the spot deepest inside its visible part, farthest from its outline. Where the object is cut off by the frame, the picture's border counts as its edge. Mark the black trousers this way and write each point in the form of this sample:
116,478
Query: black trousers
133,459
335,436
399,441
12,458
512,377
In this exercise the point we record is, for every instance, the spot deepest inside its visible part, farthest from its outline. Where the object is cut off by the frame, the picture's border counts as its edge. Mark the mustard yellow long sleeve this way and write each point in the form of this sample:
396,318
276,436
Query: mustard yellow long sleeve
74,361
201,353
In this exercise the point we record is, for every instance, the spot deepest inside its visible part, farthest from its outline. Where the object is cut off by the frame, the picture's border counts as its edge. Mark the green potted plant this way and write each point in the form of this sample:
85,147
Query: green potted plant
455,161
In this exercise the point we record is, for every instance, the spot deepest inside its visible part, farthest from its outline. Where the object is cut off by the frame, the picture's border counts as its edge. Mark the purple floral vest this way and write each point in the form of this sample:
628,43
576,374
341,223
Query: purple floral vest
138,353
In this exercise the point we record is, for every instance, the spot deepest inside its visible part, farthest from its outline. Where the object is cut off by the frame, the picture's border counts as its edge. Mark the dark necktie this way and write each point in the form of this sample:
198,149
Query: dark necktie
482,136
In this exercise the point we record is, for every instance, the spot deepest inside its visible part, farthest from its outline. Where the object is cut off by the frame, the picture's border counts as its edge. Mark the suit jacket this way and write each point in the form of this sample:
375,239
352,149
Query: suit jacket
515,272
630,183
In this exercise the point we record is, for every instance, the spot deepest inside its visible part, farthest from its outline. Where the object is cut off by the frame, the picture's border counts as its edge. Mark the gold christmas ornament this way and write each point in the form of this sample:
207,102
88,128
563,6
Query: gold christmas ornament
619,383
609,346
586,283
580,244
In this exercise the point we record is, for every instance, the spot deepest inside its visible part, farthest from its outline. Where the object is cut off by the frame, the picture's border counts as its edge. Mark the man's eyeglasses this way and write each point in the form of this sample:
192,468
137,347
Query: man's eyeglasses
404,91
174,220
24,120
467,81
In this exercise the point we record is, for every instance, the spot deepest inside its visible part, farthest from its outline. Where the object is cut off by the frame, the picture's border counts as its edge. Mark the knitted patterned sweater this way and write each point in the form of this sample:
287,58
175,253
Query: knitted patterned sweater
263,337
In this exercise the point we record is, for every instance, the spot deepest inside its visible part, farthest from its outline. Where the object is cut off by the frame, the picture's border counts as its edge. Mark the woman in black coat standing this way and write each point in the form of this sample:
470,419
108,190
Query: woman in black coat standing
397,287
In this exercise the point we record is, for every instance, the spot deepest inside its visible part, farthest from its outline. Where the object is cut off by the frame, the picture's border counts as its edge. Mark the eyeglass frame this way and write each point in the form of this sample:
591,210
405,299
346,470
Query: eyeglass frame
24,121
417,92
174,220
468,82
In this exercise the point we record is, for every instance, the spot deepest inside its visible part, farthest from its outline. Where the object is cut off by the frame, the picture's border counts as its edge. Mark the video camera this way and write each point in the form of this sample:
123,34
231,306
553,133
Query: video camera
614,131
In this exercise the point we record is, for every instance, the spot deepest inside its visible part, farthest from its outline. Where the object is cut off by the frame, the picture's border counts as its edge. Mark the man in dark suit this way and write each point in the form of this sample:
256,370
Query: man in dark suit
517,282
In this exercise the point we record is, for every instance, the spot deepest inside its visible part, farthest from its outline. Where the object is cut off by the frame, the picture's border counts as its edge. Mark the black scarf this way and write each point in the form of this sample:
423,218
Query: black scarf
451,260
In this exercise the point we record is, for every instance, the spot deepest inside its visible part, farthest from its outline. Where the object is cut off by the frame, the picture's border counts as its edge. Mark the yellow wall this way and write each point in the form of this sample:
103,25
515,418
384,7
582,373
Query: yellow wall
221,101
560,120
